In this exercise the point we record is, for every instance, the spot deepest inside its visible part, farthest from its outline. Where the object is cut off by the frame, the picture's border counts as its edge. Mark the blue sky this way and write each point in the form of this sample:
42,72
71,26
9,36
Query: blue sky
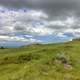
38,21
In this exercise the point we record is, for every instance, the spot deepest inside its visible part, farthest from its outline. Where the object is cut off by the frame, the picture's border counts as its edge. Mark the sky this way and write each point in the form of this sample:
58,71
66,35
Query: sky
24,22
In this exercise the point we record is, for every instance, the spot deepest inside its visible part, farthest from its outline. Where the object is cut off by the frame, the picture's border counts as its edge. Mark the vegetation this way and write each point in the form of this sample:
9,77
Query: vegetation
41,62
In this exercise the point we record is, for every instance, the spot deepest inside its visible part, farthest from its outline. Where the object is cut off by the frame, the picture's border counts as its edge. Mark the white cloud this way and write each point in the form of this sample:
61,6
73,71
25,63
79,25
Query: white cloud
12,21
29,36
57,23
61,35
34,22
41,31
38,14
68,22
18,38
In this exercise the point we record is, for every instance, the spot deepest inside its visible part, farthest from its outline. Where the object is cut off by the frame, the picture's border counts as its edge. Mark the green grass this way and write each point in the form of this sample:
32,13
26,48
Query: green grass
41,62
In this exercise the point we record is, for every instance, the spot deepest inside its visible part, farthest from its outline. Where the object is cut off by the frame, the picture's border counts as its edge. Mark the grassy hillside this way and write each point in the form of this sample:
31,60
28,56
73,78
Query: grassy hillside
41,62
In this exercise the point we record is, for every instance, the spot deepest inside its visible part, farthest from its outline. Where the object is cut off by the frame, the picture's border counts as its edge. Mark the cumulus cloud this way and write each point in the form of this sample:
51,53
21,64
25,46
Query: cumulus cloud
39,18
4,38
20,21
36,23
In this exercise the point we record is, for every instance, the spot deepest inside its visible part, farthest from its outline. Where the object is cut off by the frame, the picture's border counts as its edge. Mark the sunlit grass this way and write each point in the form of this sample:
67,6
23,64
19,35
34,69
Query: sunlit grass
41,62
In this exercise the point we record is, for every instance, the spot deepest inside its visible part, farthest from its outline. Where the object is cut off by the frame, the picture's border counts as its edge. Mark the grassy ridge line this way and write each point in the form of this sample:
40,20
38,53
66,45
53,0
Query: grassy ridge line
41,62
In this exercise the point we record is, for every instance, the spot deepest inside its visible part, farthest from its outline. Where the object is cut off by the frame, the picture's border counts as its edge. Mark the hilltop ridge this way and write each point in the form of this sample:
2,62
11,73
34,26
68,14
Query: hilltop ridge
41,62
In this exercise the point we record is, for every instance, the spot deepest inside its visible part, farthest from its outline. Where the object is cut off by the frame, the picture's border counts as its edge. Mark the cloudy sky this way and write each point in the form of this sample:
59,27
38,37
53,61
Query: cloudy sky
45,21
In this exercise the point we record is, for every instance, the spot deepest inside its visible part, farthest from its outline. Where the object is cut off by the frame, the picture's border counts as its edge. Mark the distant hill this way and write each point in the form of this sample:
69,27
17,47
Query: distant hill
59,61
77,39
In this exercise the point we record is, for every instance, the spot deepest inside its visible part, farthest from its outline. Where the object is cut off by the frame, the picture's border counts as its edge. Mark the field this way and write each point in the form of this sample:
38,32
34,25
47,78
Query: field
59,61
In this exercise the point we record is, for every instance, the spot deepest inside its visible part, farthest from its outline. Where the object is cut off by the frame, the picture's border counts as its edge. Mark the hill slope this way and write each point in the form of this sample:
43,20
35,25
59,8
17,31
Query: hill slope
41,62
